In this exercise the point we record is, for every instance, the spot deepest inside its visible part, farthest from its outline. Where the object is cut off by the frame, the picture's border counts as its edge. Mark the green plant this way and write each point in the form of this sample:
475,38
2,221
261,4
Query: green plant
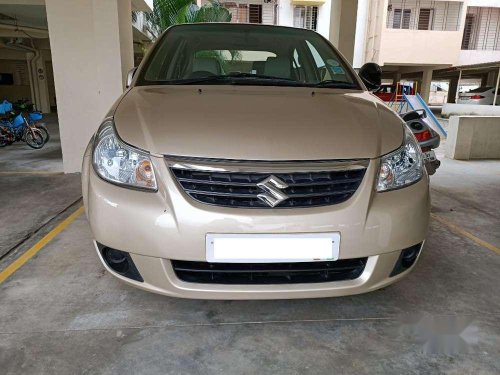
172,12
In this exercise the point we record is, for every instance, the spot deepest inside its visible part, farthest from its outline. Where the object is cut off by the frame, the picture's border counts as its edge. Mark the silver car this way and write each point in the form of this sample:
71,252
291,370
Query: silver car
480,96
251,162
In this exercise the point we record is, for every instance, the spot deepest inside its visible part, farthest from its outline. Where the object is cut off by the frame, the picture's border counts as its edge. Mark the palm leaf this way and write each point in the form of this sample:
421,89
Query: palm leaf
171,12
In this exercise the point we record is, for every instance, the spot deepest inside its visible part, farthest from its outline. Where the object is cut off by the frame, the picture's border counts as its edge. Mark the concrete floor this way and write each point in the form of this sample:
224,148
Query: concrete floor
33,188
62,313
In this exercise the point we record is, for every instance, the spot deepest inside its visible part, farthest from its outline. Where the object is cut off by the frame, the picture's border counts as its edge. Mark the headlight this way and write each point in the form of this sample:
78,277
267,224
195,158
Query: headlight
402,167
119,163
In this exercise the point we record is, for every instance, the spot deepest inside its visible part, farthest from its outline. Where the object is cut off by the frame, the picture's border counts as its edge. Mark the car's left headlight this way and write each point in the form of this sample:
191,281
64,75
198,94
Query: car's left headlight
119,163
402,167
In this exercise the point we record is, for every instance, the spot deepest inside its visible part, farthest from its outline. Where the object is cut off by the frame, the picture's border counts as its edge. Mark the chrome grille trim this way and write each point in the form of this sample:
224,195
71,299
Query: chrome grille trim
234,183
263,166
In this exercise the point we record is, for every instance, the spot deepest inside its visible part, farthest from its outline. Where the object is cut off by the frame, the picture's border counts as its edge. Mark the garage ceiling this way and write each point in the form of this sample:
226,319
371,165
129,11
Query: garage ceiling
24,15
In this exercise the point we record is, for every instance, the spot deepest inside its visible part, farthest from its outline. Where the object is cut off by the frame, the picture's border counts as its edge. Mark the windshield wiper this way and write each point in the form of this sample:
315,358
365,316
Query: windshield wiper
233,78
336,84
259,76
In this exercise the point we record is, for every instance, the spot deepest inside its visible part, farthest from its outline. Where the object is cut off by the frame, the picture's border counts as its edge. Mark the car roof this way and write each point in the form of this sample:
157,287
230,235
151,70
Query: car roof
240,25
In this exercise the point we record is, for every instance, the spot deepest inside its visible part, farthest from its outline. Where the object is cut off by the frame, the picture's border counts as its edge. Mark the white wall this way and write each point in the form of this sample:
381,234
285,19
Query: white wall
469,57
475,137
483,3
285,13
360,37
324,19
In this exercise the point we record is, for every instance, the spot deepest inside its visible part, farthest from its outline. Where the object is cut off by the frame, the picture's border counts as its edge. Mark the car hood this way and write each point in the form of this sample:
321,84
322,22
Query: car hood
257,123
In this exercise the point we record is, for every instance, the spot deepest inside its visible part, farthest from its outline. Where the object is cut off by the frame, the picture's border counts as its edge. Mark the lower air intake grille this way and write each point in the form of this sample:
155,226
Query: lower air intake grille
268,273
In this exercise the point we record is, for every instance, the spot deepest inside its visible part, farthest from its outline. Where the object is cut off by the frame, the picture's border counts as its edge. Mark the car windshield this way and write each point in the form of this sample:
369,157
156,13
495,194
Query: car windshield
247,55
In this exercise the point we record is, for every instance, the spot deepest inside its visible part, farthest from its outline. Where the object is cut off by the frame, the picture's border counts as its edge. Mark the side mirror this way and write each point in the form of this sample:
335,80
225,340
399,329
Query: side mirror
130,77
371,75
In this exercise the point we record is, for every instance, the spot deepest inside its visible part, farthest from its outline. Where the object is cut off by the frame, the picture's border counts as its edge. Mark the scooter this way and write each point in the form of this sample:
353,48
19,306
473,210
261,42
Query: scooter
427,138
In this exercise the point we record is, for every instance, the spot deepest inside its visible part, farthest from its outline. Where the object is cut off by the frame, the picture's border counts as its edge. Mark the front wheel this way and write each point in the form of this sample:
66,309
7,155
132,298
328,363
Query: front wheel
45,133
34,139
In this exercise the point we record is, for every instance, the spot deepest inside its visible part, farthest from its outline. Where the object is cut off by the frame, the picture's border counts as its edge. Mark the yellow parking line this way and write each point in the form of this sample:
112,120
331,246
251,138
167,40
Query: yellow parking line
455,228
19,262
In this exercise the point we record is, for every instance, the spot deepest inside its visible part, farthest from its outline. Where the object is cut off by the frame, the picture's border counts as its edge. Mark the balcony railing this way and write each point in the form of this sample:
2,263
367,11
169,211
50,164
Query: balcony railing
424,15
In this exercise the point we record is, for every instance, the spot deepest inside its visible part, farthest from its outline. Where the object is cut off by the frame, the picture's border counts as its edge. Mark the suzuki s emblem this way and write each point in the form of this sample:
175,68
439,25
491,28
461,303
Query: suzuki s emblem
272,191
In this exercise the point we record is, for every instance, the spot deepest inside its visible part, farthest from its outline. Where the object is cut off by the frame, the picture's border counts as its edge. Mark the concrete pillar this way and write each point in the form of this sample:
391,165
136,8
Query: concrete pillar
335,17
396,78
425,88
491,78
452,90
360,36
484,80
343,26
92,50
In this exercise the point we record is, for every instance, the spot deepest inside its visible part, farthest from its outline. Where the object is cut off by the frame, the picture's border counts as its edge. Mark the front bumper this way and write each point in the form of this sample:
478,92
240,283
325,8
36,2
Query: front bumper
157,227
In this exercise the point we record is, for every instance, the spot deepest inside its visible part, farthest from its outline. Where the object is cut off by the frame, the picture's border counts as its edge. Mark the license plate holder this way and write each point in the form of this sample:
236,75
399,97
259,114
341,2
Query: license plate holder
272,248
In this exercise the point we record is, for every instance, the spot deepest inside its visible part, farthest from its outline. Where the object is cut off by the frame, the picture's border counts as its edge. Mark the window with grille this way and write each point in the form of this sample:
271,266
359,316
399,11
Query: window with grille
305,17
425,19
482,29
401,19
255,13
469,26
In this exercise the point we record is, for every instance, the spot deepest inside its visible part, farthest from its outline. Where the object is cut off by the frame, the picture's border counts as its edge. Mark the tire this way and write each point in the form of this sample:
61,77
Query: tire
34,139
6,137
45,133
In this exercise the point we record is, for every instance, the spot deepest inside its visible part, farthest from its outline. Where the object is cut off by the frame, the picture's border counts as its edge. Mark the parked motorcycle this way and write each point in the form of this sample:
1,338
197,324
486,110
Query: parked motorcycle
33,117
427,138
16,127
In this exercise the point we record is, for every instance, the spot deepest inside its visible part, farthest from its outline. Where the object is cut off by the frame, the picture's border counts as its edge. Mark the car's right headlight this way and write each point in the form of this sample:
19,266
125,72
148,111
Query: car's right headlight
402,167
119,163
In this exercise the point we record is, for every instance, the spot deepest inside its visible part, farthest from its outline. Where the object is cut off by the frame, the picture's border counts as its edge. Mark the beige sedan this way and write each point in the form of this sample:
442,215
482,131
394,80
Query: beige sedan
251,162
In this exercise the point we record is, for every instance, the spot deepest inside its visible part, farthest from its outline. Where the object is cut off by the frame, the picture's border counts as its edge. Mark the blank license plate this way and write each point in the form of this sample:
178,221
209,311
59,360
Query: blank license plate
272,248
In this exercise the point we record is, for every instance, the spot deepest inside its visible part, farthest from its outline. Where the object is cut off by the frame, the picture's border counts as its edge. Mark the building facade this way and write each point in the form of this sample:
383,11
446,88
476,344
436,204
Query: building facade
420,39
307,14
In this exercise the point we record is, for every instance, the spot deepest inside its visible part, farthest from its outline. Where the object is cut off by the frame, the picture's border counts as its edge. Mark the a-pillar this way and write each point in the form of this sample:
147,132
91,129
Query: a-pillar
425,88
92,50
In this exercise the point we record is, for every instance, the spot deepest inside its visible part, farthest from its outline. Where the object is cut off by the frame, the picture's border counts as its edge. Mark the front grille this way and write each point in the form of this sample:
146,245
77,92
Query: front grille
239,189
268,273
